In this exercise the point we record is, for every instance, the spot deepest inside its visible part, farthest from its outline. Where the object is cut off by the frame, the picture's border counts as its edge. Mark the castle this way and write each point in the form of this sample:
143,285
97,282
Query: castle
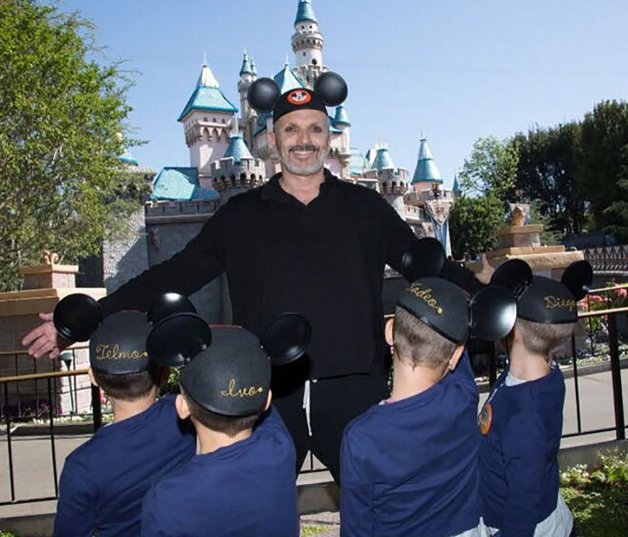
229,154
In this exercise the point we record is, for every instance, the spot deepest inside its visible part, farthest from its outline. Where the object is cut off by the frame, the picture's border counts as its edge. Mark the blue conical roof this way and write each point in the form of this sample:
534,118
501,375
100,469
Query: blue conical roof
341,118
288,80
246,69
253,68
383,160
305,12
237,149
456,188
207,95
426,169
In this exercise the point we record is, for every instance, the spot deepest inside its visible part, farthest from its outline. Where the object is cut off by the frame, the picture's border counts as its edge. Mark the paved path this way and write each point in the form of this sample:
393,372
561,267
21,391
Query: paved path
33,461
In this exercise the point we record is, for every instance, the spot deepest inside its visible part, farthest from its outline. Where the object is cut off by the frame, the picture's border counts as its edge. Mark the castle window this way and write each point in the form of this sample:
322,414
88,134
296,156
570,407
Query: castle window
314,62
304,54
243,177
233,180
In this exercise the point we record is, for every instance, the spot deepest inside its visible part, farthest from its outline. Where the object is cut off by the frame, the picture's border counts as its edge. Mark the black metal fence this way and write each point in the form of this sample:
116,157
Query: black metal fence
608,317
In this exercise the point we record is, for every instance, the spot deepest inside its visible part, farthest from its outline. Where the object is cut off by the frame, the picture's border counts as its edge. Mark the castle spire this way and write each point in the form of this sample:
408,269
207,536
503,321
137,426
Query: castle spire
426,169
305,12
246,68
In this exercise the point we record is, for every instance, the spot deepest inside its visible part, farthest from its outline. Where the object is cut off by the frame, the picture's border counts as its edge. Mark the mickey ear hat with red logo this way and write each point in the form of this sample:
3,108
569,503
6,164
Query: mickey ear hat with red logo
264,95
541,299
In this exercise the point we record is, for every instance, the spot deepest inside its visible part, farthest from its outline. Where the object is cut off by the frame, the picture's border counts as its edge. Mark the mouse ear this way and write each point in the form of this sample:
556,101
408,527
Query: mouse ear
177,339
423,258
263,94
492,313
332,88
77,316
168,304
286,338
515,275
578,278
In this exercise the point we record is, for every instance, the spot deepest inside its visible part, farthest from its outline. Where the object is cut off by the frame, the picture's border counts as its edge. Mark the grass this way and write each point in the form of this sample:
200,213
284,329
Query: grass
307,531
598,498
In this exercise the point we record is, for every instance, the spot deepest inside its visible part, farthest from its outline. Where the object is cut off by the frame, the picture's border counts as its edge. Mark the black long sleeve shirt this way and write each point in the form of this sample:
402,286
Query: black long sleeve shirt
324,260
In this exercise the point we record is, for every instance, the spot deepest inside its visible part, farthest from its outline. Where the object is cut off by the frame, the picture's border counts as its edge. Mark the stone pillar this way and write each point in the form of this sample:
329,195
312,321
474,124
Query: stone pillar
44,286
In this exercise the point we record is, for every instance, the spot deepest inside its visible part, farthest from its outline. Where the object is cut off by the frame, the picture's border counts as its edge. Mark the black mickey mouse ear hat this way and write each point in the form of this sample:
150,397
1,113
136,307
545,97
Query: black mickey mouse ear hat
423,258
168,304
232,376
174,341
286,338
264,95
77,316
578,278
118,346
446,308
541,299
515,275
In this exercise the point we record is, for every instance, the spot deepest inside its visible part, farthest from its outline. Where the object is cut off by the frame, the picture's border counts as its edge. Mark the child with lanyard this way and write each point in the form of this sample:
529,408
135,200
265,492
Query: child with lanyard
104,481
522,420
409,465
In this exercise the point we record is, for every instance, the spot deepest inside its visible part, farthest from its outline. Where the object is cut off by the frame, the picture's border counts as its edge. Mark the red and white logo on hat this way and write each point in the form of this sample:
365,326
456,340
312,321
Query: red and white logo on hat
299,97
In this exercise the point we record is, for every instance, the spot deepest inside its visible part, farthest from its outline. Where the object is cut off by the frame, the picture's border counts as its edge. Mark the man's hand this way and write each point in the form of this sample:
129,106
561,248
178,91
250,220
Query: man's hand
44,339
486,272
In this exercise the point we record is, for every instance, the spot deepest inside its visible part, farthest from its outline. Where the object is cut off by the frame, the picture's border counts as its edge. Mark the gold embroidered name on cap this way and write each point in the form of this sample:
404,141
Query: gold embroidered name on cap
426,296
113,352
554,302
232,391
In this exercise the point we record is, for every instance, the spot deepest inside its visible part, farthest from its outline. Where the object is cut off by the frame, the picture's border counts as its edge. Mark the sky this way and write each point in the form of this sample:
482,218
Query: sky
452,71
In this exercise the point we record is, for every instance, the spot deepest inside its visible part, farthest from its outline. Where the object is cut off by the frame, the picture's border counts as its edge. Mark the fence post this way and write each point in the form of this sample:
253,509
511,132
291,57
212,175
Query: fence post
613,346
96,407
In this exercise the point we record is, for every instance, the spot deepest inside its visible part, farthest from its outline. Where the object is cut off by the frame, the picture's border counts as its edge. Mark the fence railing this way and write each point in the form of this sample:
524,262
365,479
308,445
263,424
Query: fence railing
608,317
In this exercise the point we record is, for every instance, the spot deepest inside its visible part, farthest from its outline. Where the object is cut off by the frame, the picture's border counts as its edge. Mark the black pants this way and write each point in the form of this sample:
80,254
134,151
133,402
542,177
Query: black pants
334,402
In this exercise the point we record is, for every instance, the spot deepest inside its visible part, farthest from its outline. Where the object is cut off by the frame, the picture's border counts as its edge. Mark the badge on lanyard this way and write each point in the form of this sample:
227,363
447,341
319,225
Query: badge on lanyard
485,418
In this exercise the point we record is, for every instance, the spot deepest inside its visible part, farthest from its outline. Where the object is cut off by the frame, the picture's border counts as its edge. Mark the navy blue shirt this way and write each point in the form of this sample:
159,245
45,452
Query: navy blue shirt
104,481
245,489
519,475
409,468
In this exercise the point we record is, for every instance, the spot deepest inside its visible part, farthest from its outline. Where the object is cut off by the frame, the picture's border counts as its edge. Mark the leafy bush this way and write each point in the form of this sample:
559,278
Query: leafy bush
598,498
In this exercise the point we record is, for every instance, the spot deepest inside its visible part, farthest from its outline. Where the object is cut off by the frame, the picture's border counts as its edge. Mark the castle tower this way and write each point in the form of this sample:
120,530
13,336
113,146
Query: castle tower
426,175
392,181
238,170
432,201
307,44
340,150
207,118
247,77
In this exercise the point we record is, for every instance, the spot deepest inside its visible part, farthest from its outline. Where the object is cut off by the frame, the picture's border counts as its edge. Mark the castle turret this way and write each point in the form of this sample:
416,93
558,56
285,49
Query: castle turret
238,170
247,77
307,44
206,119
426,175
392,181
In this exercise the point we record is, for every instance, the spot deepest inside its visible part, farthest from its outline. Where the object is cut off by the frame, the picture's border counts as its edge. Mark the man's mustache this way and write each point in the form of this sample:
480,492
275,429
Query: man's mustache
303,147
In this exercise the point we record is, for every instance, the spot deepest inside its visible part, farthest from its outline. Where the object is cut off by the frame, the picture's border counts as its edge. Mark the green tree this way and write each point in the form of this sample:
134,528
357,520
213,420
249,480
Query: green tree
472,224
61,129
618,210
604,136
487,181
546,176
491,168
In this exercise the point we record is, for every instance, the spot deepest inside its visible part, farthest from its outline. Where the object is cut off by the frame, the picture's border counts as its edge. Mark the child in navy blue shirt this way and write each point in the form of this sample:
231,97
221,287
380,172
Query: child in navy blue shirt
522,419
242,480
104,481
409,464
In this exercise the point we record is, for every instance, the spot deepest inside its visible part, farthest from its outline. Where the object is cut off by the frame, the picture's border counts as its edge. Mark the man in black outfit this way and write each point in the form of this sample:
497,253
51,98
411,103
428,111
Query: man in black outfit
307,242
